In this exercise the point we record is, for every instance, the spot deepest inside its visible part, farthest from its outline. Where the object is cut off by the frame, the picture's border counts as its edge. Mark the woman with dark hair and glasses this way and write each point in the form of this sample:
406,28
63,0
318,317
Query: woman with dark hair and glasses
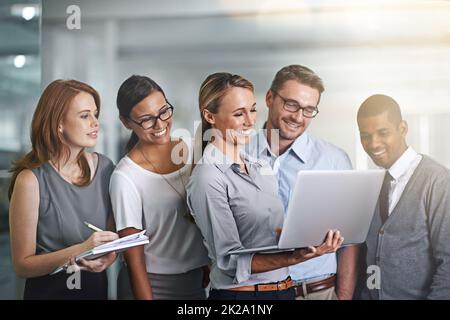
147,191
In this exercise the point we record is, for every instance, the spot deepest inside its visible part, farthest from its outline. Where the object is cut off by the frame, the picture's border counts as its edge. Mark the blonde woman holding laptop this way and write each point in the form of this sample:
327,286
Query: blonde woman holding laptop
234,205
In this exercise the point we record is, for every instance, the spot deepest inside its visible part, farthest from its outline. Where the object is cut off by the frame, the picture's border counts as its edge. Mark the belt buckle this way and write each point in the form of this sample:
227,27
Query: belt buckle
279,286
304,289
300,289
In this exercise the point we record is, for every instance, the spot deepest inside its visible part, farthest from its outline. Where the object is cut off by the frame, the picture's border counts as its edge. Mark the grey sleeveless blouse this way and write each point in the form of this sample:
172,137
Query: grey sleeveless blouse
63,206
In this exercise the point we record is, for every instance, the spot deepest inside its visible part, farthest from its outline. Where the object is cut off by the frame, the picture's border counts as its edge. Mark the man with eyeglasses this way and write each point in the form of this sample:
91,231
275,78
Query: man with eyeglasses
293,102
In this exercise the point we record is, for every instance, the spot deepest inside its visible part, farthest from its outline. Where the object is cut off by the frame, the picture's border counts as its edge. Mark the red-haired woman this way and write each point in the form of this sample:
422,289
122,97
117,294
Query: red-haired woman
54,189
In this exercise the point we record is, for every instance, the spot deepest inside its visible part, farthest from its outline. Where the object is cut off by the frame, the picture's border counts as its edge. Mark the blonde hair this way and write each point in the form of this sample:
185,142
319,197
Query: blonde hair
212,90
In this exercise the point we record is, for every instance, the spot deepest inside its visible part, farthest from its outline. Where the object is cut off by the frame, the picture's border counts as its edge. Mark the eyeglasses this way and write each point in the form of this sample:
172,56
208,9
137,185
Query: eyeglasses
149,122
294,106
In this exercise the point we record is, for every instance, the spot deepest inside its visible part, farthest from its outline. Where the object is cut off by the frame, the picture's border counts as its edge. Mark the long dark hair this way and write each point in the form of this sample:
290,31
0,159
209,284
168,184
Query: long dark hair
46,140
131,92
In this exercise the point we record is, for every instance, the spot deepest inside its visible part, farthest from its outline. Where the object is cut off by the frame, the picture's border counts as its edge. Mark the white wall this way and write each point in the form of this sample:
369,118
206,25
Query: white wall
400,48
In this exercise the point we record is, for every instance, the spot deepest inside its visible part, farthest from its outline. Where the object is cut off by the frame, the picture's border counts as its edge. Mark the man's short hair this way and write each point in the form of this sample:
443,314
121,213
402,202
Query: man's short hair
300,74
378,104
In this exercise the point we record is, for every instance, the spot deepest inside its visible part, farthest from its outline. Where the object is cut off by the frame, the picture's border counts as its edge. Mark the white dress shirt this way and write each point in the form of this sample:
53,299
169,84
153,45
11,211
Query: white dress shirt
401,171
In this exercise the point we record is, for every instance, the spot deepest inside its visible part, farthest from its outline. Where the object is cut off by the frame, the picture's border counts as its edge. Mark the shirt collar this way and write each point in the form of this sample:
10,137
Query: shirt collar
300,147
403,163
262,146
212,155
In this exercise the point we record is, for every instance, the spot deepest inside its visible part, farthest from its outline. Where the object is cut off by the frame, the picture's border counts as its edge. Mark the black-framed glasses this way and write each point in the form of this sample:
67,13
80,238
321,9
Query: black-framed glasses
149,122
294,106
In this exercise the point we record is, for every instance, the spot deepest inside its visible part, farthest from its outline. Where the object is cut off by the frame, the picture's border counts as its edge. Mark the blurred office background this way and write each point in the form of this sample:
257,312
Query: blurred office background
400,48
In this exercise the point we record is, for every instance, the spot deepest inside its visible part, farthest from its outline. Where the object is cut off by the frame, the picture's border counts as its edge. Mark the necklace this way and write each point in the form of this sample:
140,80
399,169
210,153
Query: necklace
187,213
64,176
69,178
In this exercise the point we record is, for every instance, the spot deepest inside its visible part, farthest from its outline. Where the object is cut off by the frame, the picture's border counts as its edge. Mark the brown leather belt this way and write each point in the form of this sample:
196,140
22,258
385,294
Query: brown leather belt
315,286
280,285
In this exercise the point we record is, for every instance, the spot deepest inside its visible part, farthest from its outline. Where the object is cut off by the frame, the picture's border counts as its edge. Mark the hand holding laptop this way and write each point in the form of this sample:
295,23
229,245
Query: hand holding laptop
270,260
332,242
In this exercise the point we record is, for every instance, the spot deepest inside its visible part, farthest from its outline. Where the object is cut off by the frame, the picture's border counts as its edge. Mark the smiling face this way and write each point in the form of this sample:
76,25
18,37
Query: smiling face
383,139
235,117
290,124
153,105
80,125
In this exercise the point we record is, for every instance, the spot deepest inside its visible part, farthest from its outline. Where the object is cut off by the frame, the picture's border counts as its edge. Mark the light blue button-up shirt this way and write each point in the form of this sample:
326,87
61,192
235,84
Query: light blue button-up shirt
306,153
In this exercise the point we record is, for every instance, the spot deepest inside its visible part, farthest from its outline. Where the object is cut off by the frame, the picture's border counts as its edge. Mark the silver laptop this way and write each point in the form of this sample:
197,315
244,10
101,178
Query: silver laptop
324,200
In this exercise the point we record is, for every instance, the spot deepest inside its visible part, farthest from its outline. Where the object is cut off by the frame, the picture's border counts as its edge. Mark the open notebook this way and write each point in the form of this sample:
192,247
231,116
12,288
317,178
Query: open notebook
117,245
